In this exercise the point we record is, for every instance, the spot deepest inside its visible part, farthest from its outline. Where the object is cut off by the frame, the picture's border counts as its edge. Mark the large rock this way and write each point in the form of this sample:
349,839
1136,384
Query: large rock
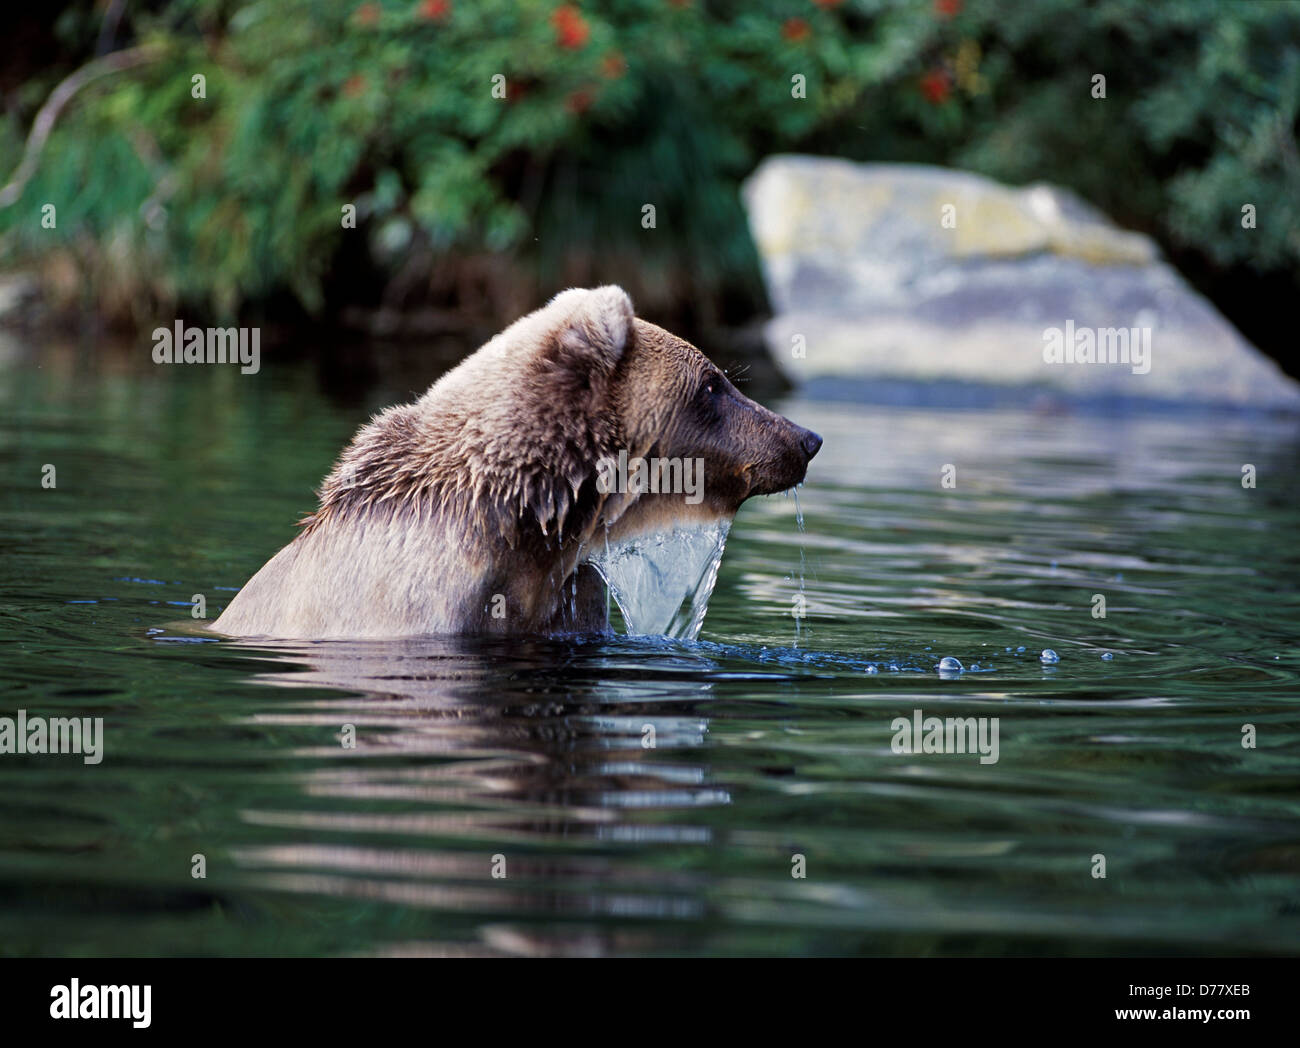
860,263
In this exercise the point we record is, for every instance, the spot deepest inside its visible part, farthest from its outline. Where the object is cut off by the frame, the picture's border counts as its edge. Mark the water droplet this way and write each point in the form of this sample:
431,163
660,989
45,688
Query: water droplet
873,669
1049,655
949,664
1021,648
1107,657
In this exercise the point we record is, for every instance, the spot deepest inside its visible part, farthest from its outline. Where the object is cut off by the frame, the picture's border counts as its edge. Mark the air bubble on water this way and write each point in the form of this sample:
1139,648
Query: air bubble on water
873,669
974,665
948,663
1049,655
1107,657
1020,649
1008,649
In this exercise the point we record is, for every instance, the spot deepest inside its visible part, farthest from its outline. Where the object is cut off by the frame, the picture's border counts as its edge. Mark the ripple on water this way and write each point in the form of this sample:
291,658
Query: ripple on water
648,795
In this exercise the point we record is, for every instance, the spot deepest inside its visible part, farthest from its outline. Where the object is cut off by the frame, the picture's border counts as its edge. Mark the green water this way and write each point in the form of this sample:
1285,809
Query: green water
773,735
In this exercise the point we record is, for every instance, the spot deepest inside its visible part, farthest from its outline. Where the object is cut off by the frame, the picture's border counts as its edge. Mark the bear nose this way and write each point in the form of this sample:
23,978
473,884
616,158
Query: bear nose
811,443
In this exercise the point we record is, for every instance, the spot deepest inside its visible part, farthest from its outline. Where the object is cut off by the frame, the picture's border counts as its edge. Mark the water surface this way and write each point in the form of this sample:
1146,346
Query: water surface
771,733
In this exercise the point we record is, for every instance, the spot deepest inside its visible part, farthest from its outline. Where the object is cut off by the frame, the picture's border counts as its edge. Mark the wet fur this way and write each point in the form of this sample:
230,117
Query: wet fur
486,485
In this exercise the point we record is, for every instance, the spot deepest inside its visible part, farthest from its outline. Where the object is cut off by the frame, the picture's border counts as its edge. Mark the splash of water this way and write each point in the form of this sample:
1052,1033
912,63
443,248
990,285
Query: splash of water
798,519
662,580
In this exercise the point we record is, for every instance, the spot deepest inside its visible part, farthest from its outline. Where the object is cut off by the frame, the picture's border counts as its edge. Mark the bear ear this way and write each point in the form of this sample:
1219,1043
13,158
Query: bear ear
596,327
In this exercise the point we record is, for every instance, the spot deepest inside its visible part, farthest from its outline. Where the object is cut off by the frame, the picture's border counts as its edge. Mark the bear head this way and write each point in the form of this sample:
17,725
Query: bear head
521,439
670,437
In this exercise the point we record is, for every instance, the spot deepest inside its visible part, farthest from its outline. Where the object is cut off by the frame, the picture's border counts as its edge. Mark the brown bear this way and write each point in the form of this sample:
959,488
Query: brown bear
473,509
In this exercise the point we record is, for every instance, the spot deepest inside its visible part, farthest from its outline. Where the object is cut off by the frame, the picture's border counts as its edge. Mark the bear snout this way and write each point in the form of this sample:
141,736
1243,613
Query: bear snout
811,443
795,448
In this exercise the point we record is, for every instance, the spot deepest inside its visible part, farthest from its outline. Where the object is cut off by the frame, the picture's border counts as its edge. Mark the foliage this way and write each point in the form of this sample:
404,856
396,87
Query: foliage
236,198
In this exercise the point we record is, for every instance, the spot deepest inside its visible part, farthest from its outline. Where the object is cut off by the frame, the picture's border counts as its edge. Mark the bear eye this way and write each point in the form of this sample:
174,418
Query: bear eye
708,395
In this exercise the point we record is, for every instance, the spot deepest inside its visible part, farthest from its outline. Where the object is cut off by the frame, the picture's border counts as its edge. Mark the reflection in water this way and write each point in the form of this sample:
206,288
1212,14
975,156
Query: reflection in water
560,758
178,483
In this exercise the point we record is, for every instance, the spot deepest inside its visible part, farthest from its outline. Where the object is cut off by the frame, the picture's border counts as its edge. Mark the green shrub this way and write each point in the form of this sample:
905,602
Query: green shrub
234,199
